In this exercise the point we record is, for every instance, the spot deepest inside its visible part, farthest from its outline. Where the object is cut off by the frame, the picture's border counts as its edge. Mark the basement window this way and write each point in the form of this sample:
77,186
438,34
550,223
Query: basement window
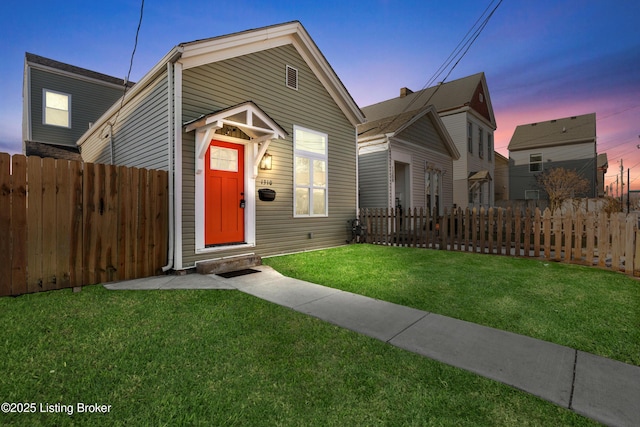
292,77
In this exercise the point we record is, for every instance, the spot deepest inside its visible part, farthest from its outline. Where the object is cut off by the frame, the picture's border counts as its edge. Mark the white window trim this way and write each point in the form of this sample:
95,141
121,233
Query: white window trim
541,163
250,149
44,107
311,156
432,173
536,192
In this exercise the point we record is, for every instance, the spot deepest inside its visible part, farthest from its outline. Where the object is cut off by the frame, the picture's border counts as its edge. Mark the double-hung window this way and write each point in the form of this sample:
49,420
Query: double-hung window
56,108
489,146
310,172
535,162
470,137
480,142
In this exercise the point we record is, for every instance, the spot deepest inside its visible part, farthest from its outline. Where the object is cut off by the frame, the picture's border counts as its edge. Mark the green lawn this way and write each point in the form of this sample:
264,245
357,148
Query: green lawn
585,308
171,358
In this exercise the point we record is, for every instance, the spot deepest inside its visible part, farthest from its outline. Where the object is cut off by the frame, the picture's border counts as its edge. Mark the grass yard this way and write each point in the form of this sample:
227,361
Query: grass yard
172,358
581,307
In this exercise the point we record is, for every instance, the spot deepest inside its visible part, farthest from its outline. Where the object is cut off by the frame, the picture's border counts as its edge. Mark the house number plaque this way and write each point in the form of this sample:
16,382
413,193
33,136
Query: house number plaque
266,182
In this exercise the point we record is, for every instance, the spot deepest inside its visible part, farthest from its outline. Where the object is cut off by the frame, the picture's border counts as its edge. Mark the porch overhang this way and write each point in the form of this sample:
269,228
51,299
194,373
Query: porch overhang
478,178
247,117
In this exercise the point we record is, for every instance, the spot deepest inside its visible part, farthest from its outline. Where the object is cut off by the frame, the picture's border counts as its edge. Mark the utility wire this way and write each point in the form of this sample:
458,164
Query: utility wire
465,44
126,81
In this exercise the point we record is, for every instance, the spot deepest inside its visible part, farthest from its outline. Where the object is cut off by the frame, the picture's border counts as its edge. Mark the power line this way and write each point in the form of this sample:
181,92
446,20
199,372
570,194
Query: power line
465,44
126,81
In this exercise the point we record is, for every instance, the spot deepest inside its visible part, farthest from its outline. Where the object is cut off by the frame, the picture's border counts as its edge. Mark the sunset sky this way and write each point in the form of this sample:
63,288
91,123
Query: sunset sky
543,59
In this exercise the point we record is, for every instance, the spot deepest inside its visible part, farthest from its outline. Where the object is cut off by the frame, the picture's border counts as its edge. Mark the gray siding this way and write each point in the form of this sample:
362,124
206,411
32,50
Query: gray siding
424,132
520,179
456,124
419,159
89,100
259,77
373,178
140,134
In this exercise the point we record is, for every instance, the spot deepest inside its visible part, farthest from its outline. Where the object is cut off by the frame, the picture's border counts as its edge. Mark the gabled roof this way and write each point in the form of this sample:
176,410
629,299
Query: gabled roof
394,125
206,51
200,52
557,132
46,63
446,97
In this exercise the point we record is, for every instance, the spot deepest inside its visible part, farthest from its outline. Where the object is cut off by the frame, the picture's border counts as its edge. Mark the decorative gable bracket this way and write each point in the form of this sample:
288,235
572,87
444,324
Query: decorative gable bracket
249,118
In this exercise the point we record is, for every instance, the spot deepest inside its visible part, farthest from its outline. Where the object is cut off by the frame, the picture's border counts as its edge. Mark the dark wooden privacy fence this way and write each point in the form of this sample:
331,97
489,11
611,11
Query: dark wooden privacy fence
66,224
608,241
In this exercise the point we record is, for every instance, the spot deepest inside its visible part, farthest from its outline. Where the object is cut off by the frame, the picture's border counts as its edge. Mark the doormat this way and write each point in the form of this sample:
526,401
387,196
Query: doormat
237,273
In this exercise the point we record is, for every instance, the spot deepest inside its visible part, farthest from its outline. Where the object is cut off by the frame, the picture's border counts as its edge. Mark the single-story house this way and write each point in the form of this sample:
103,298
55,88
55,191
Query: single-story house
258,134
406,161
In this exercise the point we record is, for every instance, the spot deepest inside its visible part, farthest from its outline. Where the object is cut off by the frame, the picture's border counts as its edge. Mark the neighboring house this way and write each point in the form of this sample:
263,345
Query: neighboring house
230,117
501,178
603,164
568,143
60,102
406,161
464,106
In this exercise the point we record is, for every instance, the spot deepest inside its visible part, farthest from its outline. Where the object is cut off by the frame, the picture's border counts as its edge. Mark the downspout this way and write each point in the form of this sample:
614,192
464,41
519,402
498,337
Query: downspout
170,145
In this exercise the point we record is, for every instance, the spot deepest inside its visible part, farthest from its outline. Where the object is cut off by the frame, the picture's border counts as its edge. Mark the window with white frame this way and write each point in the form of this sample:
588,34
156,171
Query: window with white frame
433,190
56,108
531,194
480,142
489,146
310,172
427,188
535,162
470,137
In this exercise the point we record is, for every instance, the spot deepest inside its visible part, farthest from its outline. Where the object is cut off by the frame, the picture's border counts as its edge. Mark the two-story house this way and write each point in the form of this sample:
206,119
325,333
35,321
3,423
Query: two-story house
464,107
568,143
60,103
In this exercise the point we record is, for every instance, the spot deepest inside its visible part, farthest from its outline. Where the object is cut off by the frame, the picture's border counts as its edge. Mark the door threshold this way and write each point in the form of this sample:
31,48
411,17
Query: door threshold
219,245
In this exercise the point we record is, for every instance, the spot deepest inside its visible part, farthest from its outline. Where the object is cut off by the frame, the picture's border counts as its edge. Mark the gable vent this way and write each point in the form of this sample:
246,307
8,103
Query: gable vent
292,78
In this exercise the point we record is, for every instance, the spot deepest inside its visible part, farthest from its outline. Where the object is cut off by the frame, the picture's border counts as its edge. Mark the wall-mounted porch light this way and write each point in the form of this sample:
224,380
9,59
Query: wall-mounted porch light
266,162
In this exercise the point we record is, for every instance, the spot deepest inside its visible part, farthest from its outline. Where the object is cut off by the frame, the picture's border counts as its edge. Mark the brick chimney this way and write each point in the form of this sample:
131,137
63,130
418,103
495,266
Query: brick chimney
405,91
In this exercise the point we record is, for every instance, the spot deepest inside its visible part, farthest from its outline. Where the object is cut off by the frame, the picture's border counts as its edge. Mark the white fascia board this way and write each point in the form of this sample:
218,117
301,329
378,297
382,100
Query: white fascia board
147,79
209,51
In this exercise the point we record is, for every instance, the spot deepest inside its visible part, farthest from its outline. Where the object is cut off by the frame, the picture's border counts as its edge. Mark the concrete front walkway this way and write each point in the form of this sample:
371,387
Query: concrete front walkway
602,389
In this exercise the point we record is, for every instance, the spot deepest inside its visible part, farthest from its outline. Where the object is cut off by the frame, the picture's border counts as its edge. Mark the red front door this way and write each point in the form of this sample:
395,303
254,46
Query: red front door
224,193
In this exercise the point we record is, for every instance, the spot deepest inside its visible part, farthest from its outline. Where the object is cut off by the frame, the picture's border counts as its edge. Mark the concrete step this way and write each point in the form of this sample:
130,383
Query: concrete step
225,265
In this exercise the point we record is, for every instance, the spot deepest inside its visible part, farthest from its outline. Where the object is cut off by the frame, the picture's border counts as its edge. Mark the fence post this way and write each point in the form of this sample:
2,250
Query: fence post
508,238
536,233
588,259
499,233
630,234
483,229
578,233
5,224
547,233
603,239
517,235
490,229
19,225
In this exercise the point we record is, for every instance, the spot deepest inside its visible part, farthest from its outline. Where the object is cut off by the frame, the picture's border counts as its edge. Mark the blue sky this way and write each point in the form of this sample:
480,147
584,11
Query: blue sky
543,59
